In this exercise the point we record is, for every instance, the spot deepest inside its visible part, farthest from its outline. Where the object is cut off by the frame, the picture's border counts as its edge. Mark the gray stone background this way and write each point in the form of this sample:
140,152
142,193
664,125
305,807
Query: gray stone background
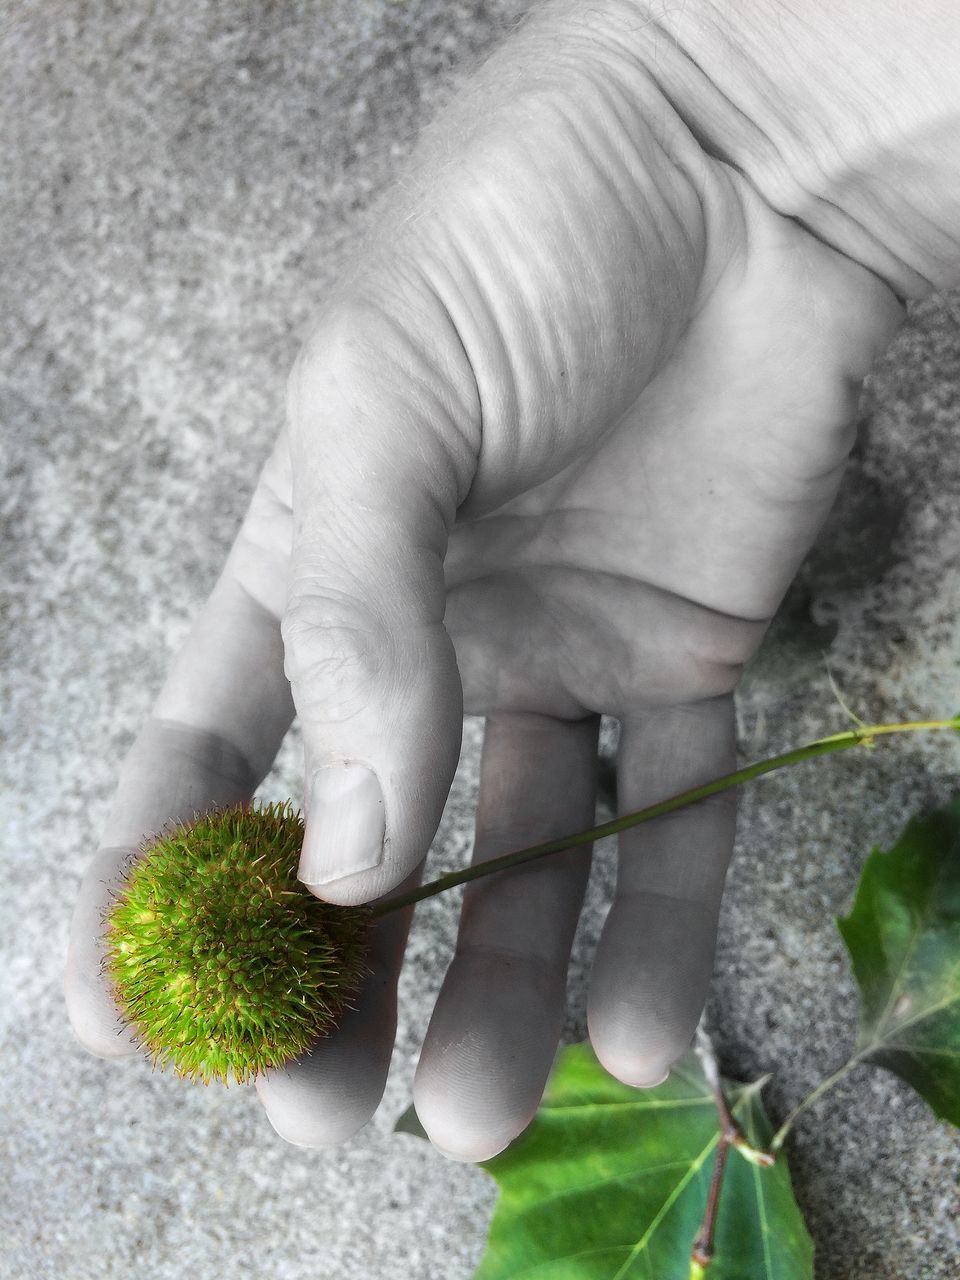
179,184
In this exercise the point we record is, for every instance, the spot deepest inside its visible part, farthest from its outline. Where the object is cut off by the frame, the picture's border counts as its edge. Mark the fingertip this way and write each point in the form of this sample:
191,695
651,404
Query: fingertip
653,1083
475,1155
298,1127
488,1052
101,1033
466,1112
92,1013
305,1115
461,1137
651,976
636,1049
326,1095
340,897
636,1069
352,890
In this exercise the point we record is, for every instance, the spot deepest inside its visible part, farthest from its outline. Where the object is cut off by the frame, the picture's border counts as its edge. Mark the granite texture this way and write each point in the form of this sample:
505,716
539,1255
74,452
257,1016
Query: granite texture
180,185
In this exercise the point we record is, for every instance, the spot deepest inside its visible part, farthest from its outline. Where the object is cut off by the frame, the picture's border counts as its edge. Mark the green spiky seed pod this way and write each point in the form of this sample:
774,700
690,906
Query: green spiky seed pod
220,959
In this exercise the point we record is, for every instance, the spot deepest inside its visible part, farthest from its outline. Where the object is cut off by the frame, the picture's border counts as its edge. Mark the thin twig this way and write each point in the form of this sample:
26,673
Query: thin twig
702,1254
703,1048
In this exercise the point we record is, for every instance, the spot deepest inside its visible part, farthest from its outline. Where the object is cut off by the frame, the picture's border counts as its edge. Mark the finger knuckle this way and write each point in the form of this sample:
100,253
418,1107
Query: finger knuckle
348,341
335,654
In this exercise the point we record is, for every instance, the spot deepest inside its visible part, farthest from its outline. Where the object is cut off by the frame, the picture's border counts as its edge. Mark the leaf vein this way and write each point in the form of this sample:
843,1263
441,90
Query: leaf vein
667,1205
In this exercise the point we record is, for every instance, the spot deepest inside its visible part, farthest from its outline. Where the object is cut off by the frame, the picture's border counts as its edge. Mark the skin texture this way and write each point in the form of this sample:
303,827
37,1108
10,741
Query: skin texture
556,448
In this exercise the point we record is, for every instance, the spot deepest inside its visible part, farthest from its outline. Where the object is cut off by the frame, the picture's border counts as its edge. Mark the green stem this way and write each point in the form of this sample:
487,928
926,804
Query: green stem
780,1136
862,737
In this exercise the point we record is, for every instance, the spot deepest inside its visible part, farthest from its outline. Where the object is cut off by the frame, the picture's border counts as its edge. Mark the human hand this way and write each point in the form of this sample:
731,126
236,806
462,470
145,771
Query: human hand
555,448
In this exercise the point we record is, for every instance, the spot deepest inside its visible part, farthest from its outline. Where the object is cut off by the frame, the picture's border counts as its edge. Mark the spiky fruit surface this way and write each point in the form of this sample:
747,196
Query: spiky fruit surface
218,956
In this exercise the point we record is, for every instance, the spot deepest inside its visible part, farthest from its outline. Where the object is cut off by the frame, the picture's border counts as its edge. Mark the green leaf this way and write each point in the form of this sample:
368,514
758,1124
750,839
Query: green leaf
903,935
610,1183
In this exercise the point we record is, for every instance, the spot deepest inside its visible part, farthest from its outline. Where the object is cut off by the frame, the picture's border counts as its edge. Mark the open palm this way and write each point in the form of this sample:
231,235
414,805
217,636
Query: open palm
560,442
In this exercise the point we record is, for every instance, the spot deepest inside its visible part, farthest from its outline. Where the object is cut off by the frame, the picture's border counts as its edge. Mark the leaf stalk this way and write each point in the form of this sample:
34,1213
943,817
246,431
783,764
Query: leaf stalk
731,1135
780,1136
845,741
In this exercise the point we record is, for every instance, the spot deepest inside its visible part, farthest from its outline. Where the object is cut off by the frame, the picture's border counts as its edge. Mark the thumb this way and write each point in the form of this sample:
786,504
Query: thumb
381,457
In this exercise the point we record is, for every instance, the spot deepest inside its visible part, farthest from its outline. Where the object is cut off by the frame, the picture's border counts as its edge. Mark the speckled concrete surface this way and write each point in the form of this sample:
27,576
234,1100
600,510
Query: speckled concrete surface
180,185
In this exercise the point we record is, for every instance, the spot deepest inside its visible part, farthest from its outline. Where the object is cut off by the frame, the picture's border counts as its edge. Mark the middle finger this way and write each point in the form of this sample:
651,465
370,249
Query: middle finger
498,1018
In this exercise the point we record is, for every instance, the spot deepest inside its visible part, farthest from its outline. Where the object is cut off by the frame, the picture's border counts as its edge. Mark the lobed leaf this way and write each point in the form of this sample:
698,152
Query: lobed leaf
610,1183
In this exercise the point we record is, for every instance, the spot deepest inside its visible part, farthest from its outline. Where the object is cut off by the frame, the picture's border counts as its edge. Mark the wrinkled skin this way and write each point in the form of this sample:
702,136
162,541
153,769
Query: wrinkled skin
560,441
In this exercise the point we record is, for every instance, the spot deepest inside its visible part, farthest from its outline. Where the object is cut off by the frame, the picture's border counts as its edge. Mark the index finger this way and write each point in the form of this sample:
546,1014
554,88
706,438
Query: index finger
214,732
172,772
